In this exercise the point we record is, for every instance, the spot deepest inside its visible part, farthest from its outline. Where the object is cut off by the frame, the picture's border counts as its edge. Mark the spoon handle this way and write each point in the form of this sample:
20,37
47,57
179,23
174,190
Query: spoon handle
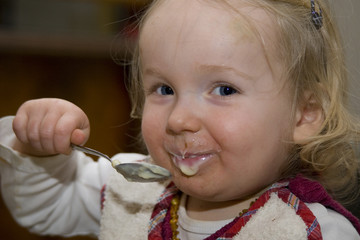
90,151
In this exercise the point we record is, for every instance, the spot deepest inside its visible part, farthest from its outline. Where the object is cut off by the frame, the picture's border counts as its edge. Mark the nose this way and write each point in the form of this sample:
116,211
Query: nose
184,117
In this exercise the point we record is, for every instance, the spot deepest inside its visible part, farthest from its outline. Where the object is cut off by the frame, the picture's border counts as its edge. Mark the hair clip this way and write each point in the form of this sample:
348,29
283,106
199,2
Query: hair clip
316,16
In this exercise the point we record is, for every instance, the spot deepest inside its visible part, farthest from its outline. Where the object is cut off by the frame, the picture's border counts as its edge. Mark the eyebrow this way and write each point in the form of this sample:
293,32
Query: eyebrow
152,71
203,68
218,68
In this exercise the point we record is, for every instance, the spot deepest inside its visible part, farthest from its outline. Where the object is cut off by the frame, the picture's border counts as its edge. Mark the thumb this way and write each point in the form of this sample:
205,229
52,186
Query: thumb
80,135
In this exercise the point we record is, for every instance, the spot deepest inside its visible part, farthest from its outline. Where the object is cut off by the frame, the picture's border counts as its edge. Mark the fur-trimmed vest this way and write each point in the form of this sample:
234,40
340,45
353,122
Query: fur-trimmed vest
279,213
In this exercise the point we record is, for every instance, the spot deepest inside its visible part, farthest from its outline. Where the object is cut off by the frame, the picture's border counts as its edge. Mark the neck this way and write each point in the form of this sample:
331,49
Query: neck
215,211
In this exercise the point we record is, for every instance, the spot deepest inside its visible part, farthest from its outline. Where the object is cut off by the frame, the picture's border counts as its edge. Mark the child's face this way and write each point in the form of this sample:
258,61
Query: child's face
216,114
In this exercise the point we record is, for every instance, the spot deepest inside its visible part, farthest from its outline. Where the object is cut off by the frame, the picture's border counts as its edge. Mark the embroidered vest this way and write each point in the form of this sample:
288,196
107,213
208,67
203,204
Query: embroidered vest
126,213
279,213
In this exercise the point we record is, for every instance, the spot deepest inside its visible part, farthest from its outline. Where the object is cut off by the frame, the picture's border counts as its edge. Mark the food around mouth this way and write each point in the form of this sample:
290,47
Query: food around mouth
190,165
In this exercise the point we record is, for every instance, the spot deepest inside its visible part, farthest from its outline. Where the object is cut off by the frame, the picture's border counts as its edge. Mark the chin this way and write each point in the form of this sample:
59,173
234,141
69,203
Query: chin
196,186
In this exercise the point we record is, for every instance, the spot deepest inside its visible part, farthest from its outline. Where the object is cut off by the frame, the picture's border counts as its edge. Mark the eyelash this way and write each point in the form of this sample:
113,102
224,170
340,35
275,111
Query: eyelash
223,90
164,90
219,87
158,89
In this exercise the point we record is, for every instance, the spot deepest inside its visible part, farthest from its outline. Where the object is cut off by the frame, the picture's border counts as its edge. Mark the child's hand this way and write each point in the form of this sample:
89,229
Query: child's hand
48,126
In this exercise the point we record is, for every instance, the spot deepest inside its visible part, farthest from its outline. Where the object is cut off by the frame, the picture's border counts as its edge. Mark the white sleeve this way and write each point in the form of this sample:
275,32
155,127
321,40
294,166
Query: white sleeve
58,195
334,226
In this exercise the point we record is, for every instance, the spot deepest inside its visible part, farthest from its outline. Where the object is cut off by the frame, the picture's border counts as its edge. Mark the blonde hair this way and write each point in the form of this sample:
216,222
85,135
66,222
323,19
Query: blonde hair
315,62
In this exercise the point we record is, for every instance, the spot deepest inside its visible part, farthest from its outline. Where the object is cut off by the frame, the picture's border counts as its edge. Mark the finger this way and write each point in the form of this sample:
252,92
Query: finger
46,131
19,127
65,126
32,132
82,132
79,136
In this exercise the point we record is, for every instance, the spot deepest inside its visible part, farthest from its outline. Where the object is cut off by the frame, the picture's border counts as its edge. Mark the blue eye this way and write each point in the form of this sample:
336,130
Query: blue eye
224,91
164,90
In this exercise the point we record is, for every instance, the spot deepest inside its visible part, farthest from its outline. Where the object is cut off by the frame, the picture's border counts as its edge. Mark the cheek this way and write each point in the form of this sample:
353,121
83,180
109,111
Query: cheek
236,128
153,132
253,132
148,125
151,120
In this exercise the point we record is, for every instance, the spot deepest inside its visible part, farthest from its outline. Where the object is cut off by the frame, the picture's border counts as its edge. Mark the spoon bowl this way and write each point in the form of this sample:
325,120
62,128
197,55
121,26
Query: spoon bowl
142,172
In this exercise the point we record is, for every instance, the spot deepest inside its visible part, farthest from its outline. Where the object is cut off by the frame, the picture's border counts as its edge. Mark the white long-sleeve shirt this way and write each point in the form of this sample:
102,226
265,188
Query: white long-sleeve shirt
61,195
58,196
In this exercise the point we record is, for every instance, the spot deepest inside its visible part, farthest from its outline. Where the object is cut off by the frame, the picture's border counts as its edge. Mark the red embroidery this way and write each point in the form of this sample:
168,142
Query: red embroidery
159,227
102,197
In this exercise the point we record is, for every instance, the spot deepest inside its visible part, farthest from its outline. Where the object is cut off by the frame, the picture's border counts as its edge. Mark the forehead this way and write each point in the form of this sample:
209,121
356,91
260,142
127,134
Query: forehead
214,30
238,17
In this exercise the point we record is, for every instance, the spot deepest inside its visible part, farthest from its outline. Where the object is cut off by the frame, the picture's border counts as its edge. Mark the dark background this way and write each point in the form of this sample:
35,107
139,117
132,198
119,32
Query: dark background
65,49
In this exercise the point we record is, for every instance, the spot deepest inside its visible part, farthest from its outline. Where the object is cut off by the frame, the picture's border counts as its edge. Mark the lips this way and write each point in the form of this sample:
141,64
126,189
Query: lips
190,152
189,164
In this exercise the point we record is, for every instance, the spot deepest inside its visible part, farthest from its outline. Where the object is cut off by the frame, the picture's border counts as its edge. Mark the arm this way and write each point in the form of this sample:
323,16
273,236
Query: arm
57,194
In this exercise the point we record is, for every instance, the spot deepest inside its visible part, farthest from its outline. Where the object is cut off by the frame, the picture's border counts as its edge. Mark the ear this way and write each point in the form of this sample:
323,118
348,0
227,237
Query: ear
309,118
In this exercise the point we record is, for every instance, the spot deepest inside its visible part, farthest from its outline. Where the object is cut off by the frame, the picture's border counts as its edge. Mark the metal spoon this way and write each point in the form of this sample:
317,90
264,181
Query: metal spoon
133,172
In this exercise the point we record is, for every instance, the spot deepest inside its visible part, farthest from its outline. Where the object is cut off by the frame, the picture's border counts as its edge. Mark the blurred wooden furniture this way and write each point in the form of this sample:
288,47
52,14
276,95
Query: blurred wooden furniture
76,67
94,84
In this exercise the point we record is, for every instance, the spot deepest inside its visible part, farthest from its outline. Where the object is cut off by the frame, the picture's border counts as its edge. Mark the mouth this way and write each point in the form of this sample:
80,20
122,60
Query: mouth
189,164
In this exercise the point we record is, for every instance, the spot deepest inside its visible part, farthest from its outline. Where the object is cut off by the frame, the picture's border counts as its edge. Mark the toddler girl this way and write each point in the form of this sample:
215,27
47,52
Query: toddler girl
242,101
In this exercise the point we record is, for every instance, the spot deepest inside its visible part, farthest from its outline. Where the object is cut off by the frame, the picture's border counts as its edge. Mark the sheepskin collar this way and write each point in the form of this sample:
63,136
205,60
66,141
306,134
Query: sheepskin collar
268,218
